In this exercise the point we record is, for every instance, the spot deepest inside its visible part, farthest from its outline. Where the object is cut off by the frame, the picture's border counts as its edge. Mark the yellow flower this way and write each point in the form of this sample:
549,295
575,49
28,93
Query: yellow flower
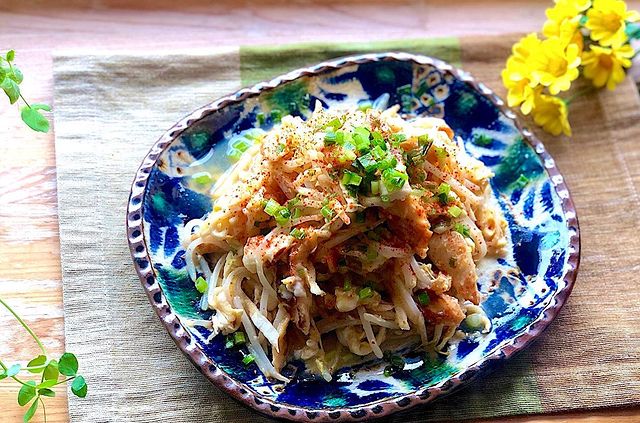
554,64
551,113
606,20
515,76
606,65
563,20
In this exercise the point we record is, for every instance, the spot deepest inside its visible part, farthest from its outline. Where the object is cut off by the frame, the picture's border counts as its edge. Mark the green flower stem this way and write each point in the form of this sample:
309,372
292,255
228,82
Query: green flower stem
43,366
24,325
577,94
44,409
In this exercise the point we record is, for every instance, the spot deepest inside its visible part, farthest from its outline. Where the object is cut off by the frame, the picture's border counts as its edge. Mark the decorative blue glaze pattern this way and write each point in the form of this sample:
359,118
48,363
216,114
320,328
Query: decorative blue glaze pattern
517,288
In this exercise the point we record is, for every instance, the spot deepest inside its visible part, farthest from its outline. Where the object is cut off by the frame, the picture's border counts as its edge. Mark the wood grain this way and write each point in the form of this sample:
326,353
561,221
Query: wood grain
29,244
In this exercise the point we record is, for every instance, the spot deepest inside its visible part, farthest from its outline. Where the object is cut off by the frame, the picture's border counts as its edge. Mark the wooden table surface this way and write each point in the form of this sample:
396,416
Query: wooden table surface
30,276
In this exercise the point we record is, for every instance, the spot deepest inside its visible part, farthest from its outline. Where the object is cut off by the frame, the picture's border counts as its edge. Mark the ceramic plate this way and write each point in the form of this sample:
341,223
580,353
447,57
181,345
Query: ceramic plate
524,290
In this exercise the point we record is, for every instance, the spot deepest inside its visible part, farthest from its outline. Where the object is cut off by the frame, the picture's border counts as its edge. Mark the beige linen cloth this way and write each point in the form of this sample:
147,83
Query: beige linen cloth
110,108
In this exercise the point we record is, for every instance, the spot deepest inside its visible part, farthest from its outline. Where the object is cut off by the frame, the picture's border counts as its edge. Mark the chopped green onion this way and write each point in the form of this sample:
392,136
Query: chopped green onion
276,115
462,230
365,293
339,137
455,211
239,338
260,118
474,322
388,162
229,342
388,371
351,178
280,213
364,105
248,359
280,148
326,212
378,153
385,198
441,153
361,139
394,179
378,140
330,138
241,142
397,139
375,187
347,284
201,284
283,216
368,163
443,193
296,214
233,154
335,124
202,178
423,298
272,207
424,140
347,153
297,233
293,202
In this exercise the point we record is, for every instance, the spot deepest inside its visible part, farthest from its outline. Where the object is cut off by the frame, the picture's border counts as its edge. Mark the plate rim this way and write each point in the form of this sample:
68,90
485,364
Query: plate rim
240,391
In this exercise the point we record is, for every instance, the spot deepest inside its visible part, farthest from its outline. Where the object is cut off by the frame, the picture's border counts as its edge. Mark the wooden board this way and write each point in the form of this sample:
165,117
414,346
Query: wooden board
29,245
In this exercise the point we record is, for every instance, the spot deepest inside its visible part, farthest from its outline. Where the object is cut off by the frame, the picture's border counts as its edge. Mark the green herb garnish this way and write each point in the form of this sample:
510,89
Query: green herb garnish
201,284
10,79
423,298
33,392
297,233
365,293
351,178
455,211
462,230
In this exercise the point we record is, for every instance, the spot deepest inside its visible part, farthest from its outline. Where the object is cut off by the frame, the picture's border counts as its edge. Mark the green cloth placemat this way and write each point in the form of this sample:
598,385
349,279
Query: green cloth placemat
110,108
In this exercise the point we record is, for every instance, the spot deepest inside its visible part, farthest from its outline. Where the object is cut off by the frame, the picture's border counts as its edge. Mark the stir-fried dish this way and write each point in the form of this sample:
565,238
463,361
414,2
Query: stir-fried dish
347,235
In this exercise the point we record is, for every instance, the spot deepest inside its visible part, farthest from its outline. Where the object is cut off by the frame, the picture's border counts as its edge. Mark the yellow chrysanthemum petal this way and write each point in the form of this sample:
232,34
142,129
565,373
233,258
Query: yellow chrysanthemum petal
606,21
554,64
605,65
551,114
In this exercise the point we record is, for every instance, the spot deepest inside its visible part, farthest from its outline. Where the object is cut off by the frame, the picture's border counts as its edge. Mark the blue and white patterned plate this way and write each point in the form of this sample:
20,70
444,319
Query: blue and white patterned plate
524,290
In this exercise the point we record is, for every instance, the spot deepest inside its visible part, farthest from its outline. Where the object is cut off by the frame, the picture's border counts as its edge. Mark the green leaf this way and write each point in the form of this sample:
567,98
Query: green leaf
11,54
38,361
51,371
11,89
46,392
3,375
26,393
79,387
30,412
68,364
41,106
15,74
34,119
13,370
47,383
